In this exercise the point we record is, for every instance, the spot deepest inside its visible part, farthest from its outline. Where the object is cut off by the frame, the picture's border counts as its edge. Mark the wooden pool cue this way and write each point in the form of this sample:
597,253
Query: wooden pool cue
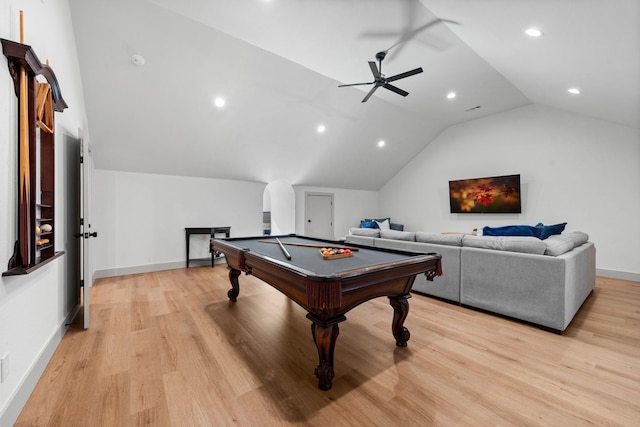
310,245
284,251
24,184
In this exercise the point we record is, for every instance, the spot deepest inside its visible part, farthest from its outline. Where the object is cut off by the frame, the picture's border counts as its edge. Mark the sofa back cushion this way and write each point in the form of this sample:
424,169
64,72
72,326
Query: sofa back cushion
557,245
369,232
360,240
439,239
560,244
398,235
578,237
525,244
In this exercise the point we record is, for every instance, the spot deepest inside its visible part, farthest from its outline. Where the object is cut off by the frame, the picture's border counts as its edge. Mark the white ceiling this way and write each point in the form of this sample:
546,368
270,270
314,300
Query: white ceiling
278,63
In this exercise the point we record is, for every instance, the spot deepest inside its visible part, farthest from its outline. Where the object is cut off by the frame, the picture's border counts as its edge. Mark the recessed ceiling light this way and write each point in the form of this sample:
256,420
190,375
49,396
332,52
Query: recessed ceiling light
451,95
381,143
219,102
137,59
321,128
574,91
533,32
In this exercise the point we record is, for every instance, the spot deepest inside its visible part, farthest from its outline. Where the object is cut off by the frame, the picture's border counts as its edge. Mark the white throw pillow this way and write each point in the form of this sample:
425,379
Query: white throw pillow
384,225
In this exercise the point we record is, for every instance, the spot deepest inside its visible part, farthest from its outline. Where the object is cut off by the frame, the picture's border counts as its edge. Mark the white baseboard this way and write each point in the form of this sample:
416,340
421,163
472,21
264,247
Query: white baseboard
22,394
614,274
113,272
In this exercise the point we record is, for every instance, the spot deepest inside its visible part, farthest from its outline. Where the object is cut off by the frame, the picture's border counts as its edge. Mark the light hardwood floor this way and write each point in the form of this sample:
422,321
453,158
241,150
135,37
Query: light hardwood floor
168,349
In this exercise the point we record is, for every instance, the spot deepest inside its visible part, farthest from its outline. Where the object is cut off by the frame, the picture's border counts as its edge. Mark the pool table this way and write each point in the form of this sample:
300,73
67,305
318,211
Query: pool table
328,288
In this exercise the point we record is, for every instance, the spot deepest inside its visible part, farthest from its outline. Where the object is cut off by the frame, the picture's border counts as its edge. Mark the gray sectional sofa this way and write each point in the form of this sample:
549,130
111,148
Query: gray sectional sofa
539,281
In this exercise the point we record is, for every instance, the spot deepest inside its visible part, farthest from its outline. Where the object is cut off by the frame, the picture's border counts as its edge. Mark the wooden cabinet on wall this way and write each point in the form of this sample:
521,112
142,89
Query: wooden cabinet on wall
39,97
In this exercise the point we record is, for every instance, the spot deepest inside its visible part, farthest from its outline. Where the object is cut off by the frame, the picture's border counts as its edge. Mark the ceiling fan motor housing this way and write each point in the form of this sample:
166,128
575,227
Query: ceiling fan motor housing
380,80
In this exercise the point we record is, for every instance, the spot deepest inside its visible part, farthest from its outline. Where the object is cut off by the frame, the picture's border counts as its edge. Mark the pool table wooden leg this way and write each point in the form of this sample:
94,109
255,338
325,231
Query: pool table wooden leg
235,285
400,311
325,335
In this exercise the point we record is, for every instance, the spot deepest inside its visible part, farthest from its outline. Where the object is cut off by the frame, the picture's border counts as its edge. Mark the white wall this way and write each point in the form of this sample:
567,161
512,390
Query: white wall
573,169
34,308
349,207
140,218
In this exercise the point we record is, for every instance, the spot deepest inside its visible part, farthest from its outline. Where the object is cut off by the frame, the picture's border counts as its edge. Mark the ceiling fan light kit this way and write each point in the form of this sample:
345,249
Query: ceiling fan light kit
380,80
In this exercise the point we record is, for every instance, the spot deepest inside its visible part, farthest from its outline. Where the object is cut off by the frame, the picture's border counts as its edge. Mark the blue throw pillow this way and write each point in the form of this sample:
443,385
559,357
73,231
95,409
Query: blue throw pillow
511,230
378,219
545,231
373,220
368,224
540,231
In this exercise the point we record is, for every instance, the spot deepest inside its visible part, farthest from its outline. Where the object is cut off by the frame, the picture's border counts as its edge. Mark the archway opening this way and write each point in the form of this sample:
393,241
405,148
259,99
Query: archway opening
278,208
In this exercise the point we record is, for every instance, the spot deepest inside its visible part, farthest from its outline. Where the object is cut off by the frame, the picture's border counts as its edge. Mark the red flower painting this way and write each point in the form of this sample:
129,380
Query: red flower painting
499,194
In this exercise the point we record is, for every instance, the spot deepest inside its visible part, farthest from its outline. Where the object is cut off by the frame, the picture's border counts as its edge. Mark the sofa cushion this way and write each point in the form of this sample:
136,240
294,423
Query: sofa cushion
397,227
439,239
398,235
557,245
369,232
578,237
525,244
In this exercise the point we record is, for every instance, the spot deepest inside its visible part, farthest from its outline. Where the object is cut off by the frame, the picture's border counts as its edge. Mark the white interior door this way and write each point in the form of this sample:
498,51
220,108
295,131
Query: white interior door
319,215
86,167
72,202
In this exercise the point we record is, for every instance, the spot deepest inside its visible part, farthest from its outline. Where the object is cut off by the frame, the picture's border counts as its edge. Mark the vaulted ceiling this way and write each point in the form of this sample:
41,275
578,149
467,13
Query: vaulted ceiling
278,64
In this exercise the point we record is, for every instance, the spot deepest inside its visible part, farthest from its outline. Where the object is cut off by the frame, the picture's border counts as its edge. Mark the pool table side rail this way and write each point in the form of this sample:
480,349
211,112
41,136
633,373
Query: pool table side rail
317,292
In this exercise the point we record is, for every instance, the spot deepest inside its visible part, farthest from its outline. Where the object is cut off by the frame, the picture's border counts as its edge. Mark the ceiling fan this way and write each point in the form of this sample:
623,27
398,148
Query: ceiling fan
380,80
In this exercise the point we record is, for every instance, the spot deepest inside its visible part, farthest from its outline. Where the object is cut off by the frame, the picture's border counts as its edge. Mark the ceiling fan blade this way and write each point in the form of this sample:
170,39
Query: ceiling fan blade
373,89
374,69
356,84
395,89
405,74
408,34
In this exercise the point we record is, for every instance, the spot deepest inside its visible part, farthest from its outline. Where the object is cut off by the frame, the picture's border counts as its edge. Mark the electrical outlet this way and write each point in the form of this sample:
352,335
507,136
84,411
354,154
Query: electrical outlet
4,367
